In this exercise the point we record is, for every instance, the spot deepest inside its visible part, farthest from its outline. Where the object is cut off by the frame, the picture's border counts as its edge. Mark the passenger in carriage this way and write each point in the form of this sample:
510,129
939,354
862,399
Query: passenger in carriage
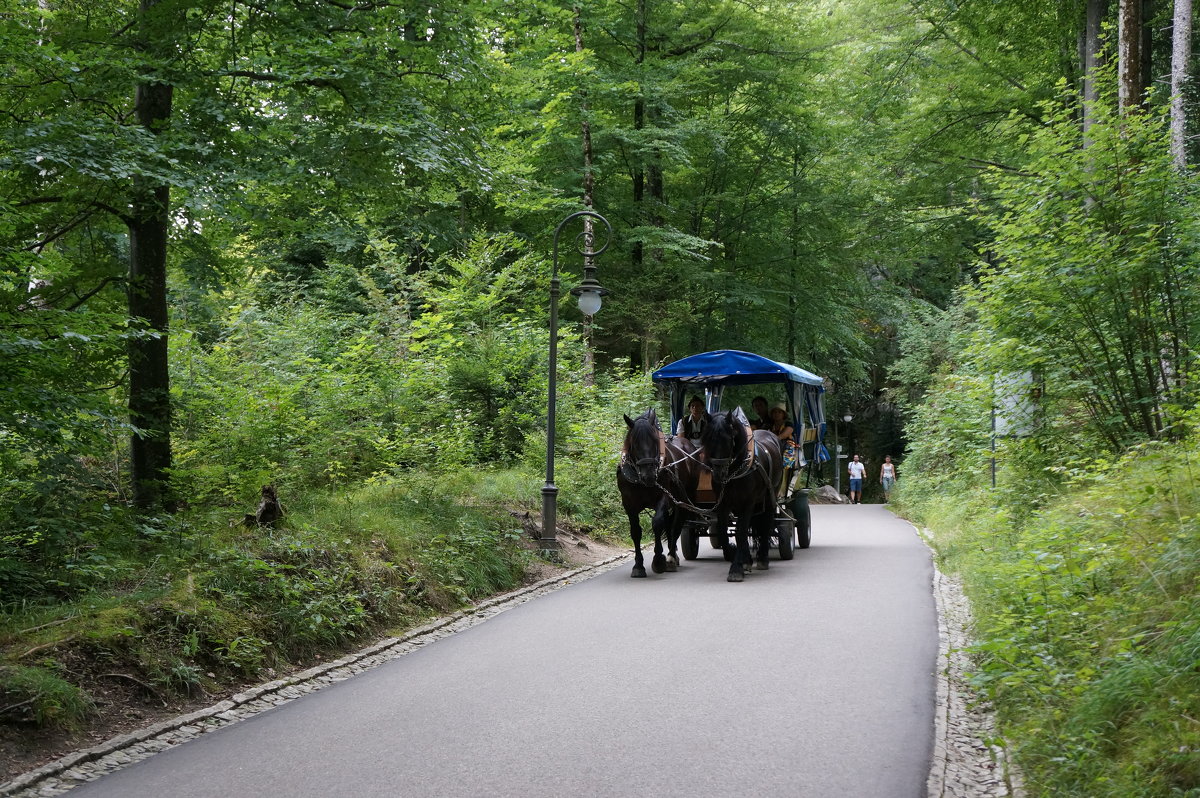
691,425
762,419
779,422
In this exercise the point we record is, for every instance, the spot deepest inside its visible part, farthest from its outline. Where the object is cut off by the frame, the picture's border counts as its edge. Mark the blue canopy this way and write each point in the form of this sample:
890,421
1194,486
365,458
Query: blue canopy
712,372
731,367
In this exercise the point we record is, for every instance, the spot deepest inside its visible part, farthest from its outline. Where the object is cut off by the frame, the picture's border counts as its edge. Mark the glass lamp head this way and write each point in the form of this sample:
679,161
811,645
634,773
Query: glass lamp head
589,302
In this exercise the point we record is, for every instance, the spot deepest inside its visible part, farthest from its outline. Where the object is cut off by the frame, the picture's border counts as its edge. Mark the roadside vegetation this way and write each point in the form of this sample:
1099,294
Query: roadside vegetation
1056,462
1088,620
406,456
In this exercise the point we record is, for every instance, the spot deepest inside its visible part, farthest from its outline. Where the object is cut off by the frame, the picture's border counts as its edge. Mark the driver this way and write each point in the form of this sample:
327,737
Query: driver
691,425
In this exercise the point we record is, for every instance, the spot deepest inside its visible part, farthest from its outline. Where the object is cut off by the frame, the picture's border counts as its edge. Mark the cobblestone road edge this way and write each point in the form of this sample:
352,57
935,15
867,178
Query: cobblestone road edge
966,762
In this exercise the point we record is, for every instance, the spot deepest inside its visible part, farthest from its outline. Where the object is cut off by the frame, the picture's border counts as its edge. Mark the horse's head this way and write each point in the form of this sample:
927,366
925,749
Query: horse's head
644,447
724,443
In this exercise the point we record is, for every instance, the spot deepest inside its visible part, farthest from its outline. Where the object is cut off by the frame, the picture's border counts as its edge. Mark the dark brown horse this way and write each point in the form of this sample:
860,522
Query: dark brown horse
655,473
746,466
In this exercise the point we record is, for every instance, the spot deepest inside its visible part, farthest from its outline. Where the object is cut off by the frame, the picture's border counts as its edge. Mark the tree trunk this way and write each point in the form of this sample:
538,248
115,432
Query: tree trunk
1146,50
639,122
589,236
149,379
1093,59
1129,55
795,253
1181,51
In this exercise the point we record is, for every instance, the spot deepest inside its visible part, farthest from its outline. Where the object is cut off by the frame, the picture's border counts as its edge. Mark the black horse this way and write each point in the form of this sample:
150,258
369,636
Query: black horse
746,466
653,471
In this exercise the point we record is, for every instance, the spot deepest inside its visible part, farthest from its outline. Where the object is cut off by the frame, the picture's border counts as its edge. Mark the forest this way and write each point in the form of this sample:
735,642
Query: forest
307,245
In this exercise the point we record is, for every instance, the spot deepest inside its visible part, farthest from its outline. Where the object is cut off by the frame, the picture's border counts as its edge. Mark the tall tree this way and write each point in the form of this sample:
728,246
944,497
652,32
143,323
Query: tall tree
1130,66
161,117
1181,57
149,378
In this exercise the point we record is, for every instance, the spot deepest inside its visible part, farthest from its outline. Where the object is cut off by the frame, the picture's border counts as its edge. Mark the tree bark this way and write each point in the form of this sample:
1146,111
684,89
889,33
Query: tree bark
589,236
639,122
1129,55
1146,50
149,378
1181,52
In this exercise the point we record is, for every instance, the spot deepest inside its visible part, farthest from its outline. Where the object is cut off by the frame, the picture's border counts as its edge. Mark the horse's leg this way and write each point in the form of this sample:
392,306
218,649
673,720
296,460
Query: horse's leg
635,532
677,518
763,523
659,563
741,554
765,526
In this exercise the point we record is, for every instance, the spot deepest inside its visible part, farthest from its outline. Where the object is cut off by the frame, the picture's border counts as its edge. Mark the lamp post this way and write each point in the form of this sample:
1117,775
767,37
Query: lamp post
847,417
589,293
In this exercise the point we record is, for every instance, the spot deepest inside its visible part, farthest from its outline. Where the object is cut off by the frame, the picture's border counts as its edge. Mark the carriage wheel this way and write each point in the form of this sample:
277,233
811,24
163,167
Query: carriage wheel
800,511
716,539
689,542
784,527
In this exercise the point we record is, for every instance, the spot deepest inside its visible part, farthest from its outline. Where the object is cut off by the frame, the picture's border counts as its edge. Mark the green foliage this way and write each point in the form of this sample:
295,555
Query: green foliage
596,427
1092,283
334,394
1087,622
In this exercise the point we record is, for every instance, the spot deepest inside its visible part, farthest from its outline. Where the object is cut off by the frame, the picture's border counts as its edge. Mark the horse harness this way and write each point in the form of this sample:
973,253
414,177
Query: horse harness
753,461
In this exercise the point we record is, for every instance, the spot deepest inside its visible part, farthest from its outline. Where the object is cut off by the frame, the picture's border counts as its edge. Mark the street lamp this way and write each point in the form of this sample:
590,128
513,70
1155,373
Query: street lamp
589,293
847,417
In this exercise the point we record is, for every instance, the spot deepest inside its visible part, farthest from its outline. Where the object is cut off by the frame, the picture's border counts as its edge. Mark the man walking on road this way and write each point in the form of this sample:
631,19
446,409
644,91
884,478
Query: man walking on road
857,472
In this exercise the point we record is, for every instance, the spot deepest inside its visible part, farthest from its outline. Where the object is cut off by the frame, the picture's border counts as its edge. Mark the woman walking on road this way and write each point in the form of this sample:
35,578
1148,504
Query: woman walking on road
887,477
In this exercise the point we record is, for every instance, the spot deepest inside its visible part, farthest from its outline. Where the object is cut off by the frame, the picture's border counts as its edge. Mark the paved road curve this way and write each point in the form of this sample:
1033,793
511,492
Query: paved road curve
814,679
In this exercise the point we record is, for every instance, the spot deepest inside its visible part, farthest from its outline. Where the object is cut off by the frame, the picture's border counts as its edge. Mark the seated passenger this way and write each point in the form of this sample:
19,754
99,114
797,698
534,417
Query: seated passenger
691,425
779,422
762,419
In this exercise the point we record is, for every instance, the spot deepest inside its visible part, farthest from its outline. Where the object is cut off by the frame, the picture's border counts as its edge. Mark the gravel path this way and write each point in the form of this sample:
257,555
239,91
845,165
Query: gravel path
964,764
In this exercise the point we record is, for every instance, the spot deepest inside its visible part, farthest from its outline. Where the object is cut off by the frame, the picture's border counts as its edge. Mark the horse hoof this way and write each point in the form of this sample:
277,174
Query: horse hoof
658,564
763,565
672,564
734,576
639,572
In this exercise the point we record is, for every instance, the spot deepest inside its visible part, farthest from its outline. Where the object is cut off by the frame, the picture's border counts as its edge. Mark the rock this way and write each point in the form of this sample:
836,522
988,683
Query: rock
826,494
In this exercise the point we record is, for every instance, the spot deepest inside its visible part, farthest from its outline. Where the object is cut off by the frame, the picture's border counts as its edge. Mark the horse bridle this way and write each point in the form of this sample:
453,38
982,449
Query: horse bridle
747,464
632,469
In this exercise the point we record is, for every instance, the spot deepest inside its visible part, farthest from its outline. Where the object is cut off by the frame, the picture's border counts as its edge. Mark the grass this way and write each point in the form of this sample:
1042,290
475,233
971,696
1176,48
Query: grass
41,695
202,604
1088,623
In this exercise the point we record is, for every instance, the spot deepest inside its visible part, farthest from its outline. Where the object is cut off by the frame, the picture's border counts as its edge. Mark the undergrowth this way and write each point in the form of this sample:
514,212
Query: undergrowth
1088,621
204,604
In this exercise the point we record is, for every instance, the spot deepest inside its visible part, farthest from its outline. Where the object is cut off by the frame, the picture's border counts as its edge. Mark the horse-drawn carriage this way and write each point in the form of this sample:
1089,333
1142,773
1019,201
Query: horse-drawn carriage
737,472
709,374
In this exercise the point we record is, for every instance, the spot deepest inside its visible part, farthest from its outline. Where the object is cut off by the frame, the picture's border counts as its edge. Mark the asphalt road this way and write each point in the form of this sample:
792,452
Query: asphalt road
813,679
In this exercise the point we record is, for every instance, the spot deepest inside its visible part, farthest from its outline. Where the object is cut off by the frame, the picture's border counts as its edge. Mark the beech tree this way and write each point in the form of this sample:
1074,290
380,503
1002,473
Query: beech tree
153,117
